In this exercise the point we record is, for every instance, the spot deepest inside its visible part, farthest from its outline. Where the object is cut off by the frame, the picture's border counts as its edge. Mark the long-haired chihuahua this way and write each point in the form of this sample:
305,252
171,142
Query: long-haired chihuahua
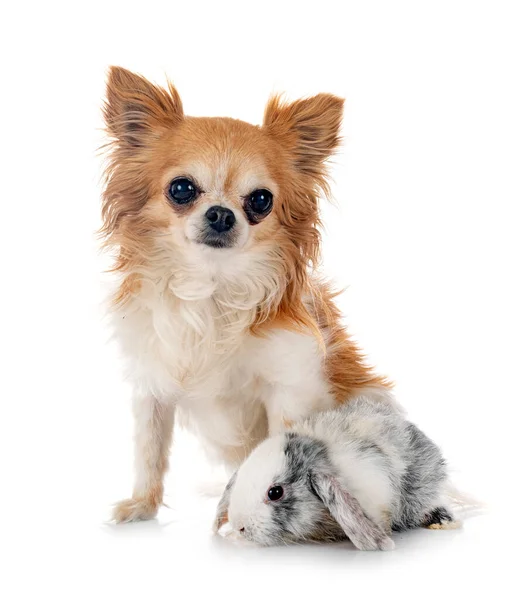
220,315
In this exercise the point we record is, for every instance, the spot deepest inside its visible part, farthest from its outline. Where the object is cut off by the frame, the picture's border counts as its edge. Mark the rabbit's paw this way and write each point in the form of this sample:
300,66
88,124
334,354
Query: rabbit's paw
440,518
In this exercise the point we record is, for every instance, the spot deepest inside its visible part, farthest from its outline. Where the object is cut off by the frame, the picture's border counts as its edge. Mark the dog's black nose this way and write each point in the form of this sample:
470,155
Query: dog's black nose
220,219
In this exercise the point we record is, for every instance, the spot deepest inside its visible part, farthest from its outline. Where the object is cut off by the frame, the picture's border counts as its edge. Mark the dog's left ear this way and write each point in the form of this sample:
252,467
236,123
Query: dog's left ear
347,512
137,110
308,129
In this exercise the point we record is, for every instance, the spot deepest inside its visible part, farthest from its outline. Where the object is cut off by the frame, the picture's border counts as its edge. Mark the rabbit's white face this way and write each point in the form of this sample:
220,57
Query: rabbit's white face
250,510
271,500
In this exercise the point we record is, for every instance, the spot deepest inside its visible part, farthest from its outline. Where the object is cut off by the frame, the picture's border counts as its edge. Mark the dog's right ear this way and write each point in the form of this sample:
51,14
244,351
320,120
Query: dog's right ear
135,109
222,516
308,130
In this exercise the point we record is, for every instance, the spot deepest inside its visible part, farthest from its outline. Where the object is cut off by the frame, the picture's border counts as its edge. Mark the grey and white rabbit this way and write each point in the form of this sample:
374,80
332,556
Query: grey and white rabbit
358,472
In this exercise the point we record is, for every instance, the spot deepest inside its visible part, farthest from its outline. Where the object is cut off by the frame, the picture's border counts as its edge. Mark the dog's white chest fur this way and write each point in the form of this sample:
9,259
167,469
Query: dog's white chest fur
190,344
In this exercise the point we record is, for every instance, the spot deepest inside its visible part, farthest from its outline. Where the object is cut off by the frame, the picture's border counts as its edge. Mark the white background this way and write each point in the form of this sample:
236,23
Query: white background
427,238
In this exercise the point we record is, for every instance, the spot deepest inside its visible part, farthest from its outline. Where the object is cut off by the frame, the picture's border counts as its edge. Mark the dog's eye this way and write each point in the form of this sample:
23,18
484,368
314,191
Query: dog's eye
275,493
260,201
182,190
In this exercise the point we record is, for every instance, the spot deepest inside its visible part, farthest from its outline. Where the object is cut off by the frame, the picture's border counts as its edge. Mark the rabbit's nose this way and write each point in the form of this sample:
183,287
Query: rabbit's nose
242,529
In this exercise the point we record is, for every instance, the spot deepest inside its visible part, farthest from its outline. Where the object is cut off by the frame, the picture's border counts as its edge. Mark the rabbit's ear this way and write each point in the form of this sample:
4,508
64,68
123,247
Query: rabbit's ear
222,517
347,512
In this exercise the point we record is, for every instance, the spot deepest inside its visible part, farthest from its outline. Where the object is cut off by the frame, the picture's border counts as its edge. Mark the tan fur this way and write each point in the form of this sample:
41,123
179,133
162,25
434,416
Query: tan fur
386,520
344,363
445,525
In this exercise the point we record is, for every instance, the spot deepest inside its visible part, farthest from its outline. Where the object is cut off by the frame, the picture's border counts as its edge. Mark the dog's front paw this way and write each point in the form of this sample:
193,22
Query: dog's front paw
134,509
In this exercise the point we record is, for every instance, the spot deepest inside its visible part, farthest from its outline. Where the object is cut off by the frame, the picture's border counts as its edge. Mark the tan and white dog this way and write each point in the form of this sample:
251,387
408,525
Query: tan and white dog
219,313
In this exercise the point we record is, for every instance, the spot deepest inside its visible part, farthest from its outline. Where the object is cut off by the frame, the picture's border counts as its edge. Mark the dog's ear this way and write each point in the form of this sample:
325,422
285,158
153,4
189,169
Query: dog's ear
347,512
222,516
308,129
135,109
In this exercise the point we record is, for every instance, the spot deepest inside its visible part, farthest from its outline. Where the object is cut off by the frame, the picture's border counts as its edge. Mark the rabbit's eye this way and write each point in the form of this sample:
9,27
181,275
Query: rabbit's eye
275,493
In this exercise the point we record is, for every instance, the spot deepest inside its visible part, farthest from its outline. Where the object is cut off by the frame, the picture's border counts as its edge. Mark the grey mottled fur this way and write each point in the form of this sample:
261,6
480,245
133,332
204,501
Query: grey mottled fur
319,504
416,467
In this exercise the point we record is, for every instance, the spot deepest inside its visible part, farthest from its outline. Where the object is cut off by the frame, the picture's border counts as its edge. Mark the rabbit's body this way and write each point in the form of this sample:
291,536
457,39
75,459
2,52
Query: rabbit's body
360,471
393,469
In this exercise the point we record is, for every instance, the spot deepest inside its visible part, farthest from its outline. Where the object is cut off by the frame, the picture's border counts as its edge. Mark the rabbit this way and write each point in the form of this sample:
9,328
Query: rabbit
360,472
